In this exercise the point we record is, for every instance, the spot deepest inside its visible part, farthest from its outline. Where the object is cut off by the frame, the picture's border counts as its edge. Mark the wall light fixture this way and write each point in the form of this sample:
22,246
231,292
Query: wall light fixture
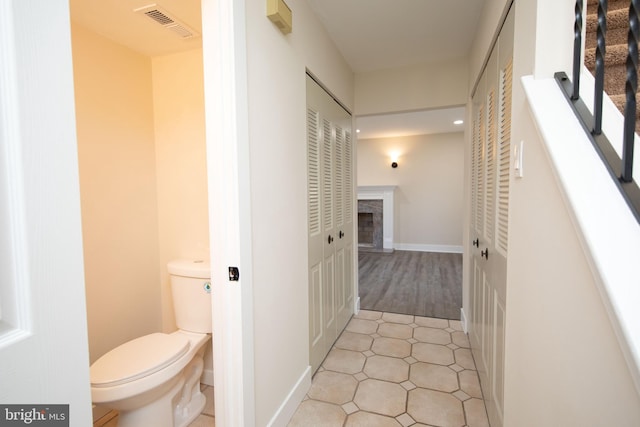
394,155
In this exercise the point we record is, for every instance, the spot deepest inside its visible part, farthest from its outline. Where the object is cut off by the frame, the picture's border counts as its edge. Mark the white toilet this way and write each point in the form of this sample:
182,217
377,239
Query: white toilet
154,380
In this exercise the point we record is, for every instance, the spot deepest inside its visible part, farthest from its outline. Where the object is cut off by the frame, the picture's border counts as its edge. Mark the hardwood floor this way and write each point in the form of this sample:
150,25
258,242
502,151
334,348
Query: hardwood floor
419,283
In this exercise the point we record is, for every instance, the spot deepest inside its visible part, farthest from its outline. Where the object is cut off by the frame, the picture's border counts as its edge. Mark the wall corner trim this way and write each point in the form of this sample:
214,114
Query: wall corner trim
463,321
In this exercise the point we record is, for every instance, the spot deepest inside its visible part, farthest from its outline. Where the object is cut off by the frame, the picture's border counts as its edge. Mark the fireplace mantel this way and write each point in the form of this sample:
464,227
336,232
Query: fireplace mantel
384,193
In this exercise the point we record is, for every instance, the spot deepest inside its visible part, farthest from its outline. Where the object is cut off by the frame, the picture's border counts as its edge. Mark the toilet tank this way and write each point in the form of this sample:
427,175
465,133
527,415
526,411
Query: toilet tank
191,290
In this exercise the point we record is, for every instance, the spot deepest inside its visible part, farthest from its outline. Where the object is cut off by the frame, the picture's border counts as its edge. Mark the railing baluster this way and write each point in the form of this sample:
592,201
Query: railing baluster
577,49
631,87
620,167
599,78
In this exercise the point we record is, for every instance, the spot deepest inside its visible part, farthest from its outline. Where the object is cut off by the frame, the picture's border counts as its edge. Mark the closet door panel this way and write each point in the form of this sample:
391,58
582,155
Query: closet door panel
330,209
329,230
317,338
490,179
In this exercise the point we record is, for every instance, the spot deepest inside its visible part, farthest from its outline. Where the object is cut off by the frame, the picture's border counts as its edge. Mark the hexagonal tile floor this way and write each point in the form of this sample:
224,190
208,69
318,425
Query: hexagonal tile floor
395,370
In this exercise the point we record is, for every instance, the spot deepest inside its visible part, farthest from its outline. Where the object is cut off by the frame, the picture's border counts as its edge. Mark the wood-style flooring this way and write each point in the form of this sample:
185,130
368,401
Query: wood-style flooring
419,283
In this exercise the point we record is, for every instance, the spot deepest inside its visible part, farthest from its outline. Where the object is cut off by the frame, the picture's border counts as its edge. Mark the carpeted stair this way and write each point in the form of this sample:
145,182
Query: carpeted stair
616,50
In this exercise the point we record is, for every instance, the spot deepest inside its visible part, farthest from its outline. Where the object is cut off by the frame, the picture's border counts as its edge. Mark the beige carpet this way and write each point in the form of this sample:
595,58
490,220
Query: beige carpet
616,50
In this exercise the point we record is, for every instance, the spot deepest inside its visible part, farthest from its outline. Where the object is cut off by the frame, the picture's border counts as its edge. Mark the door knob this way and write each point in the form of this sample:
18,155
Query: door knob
485,253
341,234
476,243
330,239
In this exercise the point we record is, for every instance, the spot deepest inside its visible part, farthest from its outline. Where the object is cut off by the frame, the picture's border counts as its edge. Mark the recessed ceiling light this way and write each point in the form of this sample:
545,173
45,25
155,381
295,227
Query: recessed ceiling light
458,122
357,130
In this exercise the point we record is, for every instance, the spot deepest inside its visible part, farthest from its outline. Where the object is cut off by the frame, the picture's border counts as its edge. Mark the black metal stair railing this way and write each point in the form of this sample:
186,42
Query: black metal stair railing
577,50
601,48
631,88
620,168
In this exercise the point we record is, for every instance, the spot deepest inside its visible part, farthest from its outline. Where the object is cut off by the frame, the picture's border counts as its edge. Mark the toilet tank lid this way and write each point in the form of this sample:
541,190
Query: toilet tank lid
198,268
137,359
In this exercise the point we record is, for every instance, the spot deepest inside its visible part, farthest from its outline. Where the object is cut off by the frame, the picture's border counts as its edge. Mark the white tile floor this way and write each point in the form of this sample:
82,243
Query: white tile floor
387,370
395,370
206,419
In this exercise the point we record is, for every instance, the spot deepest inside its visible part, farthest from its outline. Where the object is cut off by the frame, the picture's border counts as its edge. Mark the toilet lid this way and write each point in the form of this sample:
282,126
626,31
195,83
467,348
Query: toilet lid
138,358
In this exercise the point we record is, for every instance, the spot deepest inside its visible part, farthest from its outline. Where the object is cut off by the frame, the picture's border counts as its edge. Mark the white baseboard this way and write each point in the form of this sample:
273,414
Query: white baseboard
291,403
454,249
207,377
357,307
463,321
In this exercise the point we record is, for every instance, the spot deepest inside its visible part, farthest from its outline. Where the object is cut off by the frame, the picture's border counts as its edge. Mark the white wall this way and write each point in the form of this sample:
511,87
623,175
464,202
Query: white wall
564,365
555,311
492,14
429,197
411,88
416,87
562,353
278,177
114,116
543,24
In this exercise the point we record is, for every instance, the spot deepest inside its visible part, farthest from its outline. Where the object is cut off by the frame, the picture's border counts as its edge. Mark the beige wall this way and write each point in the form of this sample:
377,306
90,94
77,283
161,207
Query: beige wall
416,87
178,101
114,111
183,214
143,182
429,176
278,177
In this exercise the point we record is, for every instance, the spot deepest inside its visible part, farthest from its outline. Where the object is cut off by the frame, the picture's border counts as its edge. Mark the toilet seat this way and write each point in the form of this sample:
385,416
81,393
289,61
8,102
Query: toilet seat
138,358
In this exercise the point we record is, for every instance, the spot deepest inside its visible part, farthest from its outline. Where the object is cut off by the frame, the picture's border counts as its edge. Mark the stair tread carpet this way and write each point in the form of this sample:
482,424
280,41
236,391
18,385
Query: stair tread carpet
615,51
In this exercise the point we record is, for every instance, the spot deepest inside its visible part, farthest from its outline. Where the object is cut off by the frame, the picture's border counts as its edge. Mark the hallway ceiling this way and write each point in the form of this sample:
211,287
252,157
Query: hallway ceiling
371,35
410,123
377,34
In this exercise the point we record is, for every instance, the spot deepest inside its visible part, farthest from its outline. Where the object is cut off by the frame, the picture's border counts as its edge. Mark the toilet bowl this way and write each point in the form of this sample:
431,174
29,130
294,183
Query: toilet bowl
154,380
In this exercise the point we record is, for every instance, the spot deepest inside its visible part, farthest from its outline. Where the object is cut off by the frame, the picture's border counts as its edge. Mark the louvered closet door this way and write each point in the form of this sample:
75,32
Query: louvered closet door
330,233
343,186
490,175
316,266
347,230
477,215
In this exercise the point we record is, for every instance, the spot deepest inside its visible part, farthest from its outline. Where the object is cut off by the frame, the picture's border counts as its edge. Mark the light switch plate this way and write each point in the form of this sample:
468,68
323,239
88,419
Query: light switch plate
517,159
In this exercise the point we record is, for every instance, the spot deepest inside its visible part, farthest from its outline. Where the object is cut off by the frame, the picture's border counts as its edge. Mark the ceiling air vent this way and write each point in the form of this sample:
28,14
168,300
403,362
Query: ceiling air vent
164,18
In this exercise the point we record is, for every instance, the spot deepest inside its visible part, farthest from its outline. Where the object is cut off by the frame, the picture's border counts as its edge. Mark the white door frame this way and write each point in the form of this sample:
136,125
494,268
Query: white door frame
35,36
227,130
